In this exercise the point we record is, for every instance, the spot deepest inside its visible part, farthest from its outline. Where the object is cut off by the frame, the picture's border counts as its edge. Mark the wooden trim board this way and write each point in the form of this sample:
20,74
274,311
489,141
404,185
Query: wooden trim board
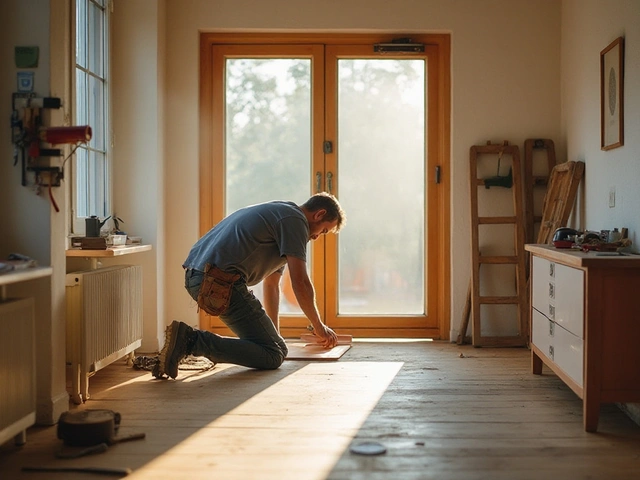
302,351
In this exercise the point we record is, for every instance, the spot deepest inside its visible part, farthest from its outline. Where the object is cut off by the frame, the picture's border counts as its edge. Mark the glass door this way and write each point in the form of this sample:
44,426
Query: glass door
288,120
267,115
378,267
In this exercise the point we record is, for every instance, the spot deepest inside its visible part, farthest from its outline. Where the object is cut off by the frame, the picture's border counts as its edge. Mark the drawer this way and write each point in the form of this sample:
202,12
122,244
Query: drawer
561,347
569,299
569,353
558,293
541,284
542,333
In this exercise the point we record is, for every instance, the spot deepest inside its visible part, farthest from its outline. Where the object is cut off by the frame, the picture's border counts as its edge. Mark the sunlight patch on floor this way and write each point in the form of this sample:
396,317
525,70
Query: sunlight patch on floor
305,421
185,376
392,340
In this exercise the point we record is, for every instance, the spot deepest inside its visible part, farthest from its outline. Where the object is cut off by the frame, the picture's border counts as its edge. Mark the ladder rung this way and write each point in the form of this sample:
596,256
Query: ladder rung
496,220
495,148
499,300
498,259
481,183
540,180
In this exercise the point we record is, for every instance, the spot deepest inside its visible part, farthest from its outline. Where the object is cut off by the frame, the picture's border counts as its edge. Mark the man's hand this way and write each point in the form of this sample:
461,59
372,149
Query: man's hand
306,296
328,337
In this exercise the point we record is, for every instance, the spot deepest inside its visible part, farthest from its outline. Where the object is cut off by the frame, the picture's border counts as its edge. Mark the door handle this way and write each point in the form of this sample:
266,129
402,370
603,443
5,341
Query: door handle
329,182
318,182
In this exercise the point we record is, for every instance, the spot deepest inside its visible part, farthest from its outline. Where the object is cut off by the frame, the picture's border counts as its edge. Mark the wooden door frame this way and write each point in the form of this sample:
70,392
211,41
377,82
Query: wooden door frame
439,141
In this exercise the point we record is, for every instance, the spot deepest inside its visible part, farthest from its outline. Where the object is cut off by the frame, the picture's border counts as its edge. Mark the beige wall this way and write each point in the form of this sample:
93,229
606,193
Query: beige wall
505,86
138,90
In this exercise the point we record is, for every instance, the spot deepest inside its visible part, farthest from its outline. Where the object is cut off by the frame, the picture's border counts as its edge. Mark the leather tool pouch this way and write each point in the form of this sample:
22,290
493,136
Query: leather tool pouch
215,292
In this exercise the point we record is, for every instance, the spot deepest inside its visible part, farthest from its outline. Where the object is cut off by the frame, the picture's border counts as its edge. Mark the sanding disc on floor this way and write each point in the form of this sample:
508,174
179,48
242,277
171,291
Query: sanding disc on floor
368,448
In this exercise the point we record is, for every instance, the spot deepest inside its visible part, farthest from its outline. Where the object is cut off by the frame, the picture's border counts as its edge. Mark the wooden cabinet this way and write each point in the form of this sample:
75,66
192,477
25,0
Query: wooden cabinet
17,357
585,324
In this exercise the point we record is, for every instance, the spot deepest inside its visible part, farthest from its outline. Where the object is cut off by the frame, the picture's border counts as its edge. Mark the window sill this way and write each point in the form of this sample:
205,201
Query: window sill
109,252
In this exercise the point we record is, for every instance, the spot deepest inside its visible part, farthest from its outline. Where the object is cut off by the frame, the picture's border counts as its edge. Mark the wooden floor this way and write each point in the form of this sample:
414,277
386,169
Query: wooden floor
443,411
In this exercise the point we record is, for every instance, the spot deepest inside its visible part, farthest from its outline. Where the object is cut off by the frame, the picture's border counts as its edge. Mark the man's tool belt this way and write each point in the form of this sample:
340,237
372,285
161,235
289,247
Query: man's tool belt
215,292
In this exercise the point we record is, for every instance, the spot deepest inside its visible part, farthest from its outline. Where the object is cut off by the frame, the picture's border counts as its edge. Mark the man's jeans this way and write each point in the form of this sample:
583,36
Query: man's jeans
259,345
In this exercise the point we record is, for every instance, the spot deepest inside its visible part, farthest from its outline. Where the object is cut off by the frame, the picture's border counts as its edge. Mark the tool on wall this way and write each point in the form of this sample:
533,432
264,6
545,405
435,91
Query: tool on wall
505,181
33,141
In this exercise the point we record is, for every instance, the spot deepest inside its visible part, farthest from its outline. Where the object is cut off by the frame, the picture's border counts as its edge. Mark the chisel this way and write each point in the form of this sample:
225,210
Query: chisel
97,470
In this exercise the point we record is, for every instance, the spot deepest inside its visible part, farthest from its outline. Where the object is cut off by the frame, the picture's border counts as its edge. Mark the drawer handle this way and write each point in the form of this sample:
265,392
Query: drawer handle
551,328
551,352
552,269
552,290
552,312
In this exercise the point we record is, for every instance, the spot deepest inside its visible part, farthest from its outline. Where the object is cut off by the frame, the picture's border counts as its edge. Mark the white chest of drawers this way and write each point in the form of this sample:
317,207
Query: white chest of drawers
585,324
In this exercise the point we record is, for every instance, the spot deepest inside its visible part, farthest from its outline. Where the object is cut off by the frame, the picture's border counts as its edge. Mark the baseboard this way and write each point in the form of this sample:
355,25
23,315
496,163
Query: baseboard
48,412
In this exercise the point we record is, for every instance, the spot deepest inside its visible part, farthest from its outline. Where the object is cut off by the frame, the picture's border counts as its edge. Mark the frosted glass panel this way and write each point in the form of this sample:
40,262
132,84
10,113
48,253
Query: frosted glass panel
268,138
381,161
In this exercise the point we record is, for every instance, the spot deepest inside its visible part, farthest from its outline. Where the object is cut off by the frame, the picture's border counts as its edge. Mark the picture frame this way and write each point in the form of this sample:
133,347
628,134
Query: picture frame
611,95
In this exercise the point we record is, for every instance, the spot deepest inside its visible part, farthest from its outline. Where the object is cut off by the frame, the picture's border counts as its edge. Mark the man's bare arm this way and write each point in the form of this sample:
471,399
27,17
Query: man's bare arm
271,291
306,296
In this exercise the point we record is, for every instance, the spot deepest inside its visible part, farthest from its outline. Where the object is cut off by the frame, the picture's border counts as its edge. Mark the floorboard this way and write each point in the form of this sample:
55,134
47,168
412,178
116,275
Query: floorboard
443,411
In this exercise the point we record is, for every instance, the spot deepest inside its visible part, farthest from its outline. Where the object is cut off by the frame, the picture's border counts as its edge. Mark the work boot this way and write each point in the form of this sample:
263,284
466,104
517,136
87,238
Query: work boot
178,343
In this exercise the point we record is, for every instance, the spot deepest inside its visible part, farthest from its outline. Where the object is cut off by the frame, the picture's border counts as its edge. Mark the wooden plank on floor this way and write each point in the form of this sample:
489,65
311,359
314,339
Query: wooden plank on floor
303,351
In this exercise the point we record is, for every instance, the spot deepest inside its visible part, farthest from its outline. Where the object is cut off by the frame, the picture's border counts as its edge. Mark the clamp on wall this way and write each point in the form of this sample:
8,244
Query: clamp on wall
33,142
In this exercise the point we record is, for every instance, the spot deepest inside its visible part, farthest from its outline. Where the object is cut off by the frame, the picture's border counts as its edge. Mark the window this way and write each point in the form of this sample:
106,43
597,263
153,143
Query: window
91,172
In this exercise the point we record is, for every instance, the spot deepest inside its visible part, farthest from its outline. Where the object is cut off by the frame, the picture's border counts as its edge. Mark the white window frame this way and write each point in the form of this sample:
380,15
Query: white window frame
90,185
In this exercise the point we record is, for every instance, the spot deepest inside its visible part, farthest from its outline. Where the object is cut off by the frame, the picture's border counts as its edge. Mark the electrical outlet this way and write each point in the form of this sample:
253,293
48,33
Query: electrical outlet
612,197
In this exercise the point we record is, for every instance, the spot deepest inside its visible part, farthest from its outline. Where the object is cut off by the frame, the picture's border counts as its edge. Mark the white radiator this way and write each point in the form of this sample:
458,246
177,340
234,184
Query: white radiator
17,369
104,321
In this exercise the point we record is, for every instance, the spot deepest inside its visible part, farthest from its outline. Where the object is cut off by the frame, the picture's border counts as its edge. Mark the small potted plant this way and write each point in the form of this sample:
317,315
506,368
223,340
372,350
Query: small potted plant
117,237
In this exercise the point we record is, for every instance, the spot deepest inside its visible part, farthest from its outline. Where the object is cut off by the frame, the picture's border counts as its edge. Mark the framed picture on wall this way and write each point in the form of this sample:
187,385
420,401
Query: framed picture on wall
611,95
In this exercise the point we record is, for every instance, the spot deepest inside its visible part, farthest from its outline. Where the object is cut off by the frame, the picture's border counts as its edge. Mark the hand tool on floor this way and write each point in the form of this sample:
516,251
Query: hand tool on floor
89,427
122,472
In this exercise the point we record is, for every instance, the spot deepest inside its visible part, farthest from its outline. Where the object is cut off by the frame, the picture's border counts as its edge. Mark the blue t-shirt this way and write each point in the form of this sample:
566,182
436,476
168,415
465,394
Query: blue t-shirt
253,241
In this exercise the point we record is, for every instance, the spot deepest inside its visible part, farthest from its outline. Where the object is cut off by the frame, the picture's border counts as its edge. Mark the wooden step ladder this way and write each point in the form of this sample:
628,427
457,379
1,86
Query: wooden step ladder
539,160
479,155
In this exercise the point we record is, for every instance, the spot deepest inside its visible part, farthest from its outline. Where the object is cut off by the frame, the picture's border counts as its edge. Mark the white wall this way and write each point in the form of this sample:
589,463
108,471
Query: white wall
588,26
505,86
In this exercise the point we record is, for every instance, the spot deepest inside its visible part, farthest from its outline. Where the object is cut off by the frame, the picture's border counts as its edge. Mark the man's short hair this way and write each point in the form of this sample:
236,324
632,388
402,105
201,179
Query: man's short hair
328,202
